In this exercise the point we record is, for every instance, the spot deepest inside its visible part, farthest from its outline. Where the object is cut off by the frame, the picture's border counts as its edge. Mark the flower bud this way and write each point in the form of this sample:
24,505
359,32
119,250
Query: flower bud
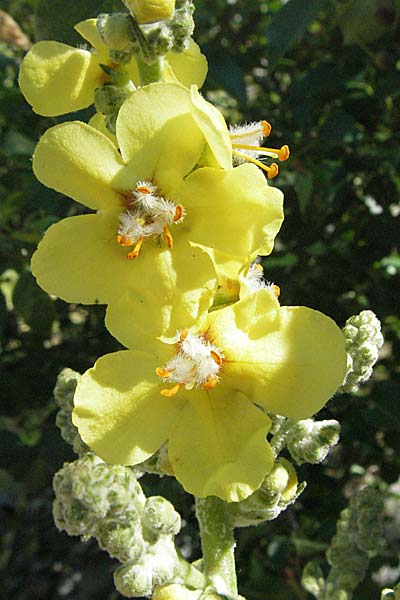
363,339
124,542
133,580
160,516
149,11
116,31
309,441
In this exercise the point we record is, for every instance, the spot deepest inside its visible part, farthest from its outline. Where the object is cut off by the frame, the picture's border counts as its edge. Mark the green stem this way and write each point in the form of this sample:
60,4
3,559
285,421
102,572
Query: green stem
217,543
190,575
149,73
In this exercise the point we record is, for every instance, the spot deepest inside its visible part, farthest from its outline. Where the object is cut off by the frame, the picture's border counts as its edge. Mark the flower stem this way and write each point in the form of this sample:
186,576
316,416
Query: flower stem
149,72
217,543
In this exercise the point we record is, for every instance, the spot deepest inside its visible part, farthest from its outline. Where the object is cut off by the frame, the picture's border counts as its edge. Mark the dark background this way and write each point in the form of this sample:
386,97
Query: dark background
326,74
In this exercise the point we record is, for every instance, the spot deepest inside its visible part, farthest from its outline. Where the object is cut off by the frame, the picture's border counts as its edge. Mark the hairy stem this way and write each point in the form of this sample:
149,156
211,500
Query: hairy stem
149,73
217,543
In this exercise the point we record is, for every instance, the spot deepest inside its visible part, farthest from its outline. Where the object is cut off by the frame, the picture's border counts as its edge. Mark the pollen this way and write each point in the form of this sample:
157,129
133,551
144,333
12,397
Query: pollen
148,214
196,364
246,145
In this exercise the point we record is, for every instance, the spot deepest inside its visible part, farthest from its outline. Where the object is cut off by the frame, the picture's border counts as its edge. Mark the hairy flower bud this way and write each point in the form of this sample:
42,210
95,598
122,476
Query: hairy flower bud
363,340
133,580
64,396
279,489
149,11
309,441
116,30
160,516
122,541
108,100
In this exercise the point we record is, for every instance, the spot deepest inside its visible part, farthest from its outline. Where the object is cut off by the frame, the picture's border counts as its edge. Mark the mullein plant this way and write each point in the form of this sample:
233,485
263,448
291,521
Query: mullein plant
218,378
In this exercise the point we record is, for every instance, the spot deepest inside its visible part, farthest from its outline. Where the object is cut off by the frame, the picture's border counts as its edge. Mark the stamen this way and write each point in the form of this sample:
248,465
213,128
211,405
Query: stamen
164,373
210,383
272,170
171,392
179,213
168,237
280,153
124,240
143,189
216,357
136,250
258,267
276,289
183,335
266,127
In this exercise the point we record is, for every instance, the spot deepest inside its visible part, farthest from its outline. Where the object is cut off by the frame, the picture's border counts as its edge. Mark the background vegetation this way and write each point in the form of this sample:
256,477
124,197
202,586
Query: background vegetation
326,74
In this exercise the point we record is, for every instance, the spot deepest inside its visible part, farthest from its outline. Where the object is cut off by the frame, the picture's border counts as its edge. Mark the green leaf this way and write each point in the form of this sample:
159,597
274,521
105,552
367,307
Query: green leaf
55,19
33,305
289,25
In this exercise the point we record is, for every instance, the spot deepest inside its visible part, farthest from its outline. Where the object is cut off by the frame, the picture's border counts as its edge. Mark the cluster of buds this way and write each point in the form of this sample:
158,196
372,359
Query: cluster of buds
359,536
64,392
363,340
106,502
279,489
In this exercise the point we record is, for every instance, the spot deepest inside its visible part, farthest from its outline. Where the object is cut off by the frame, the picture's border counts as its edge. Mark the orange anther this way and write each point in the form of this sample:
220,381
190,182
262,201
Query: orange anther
284,153
210,383
136,250
178,213
216,358
183,335
277,290
171,392
266,127
124,240
272,170
143,189
164,373
168,237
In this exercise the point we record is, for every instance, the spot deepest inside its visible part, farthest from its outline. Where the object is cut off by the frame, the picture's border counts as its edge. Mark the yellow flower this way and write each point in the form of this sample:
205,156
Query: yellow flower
203,391
57,79
151,205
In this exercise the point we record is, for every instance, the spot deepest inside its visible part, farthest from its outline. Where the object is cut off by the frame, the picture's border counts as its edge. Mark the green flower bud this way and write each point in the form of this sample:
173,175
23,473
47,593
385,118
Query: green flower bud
182,26
149,11
363,339
133,580
160,516
121,541
116,31
108,100
313,579
309,441
64,391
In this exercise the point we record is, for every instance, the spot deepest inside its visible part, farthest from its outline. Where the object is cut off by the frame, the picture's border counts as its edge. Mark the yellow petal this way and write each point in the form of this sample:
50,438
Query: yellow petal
290,360
168,290
189,67
156,131
79,260
119,410
218,446
57,79
234,212
88,30
80,162
214,129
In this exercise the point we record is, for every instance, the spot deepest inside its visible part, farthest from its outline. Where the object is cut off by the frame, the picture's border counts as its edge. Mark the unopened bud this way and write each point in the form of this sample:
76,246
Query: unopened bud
160,516
133,580
149,11
124,542
116,30
363,339
309,441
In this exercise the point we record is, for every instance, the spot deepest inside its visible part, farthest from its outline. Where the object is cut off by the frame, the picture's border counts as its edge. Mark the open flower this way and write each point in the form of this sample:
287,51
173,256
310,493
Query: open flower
152,204
57,79
202,392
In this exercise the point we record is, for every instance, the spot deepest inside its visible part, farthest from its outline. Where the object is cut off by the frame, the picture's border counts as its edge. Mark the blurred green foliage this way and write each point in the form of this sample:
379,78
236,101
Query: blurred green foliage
326,74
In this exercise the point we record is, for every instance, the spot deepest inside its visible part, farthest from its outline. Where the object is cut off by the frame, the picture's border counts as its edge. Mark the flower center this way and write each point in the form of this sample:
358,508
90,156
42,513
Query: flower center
195,365
246,140
255,280
148,214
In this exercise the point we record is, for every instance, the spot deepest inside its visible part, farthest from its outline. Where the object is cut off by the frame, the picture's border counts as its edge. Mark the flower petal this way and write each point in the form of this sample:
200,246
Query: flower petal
218,446
98,121
214,129
119,410
189,67
57,79
80,162
79,260
88,30
169,290
234,212
155,129
290,360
